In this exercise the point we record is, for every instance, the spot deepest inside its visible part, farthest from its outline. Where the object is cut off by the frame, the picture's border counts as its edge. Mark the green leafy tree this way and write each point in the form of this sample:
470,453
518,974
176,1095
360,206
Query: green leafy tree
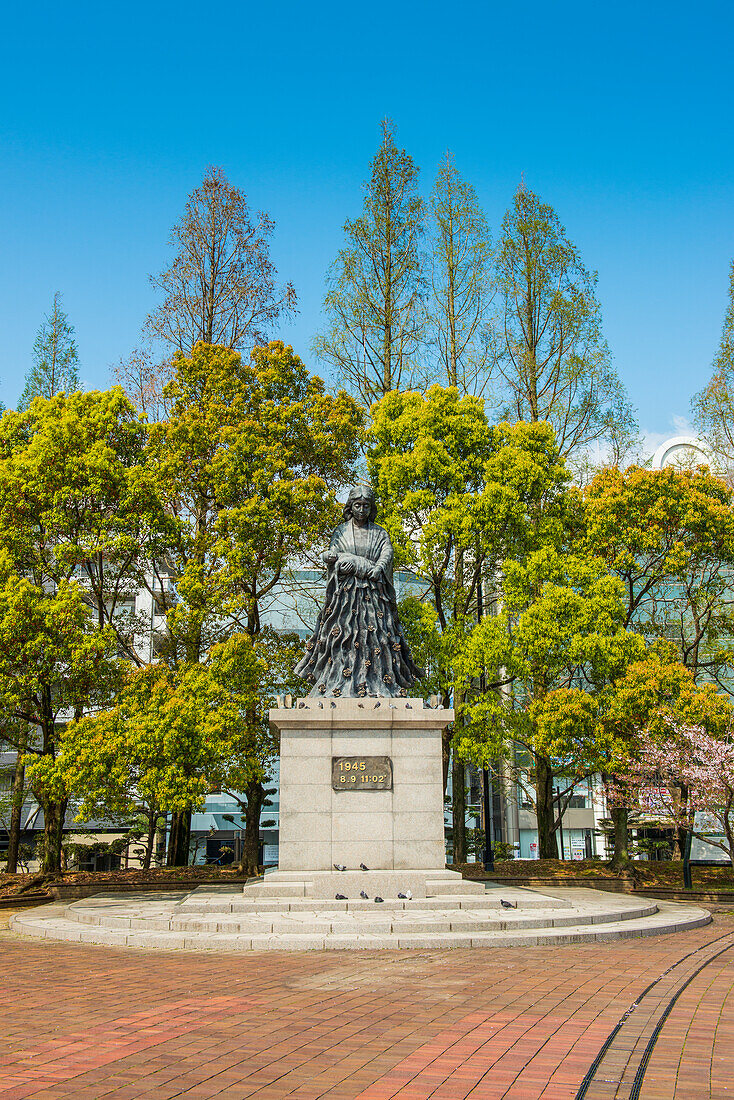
54,663
247,464
551,357
250,674
458,497
77,501
461,280
668,535
560,639
374,303
151,753
19,735
55,358
174,734
713,407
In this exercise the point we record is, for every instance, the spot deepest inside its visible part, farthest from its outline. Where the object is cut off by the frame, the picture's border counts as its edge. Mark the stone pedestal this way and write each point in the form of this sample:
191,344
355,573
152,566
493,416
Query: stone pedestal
361,747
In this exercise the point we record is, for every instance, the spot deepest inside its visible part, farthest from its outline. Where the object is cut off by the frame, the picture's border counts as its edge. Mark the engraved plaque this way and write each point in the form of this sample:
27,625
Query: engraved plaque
361,773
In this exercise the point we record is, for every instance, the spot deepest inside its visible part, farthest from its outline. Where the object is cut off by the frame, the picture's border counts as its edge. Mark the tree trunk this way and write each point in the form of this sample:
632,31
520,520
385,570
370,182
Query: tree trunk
179,839
458,810
150,839
620,821
16,810
249,859
545,810
53,816
446,736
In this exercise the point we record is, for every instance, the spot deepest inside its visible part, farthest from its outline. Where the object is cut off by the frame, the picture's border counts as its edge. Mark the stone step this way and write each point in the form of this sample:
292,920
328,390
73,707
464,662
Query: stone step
53,922
402,923
368,922
273,905
386,883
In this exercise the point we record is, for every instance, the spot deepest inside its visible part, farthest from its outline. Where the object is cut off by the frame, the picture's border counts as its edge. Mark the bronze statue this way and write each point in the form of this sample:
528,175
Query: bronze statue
358,647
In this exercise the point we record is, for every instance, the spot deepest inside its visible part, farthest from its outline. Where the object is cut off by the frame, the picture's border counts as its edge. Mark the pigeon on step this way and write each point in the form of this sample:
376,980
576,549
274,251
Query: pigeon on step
363,867
341,897
507,904
407,896
378,898
339,867
364,894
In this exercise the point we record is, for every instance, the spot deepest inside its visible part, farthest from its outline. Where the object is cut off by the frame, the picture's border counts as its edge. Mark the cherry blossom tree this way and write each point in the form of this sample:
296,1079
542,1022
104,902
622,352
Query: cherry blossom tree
687,776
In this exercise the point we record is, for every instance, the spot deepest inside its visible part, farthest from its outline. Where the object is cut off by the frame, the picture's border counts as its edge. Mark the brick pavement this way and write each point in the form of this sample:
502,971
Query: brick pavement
88,1022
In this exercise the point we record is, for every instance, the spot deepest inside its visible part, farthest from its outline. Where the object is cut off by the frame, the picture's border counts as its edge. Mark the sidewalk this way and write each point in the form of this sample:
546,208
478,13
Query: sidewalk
89,1023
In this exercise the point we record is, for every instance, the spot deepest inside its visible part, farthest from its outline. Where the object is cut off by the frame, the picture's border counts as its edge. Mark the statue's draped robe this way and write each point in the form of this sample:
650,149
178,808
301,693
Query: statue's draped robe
358,647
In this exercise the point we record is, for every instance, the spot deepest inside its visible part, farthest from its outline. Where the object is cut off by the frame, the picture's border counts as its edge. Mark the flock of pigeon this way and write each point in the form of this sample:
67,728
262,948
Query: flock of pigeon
404,896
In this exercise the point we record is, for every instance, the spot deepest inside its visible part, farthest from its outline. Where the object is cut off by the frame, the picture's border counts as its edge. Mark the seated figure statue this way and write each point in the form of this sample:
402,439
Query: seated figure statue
358,647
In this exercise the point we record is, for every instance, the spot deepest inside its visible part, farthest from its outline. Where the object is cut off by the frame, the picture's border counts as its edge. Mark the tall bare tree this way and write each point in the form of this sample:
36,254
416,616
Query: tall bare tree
461,280
55,358
374,302
220,287
713,407
551,358
143,375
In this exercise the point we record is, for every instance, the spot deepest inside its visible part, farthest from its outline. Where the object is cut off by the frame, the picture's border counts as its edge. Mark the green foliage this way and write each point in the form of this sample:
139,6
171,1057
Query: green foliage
247,464
669,537
559,639
153,750
77,500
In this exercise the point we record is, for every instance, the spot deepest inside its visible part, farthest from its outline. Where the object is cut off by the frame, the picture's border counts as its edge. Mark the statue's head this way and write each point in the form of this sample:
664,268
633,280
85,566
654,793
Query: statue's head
360,492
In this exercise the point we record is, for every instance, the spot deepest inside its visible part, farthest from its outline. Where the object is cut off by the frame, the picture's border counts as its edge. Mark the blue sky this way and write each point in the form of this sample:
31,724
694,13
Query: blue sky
618,115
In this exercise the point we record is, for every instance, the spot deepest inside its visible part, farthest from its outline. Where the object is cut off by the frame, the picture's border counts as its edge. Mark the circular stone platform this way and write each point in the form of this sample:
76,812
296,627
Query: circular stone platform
224,919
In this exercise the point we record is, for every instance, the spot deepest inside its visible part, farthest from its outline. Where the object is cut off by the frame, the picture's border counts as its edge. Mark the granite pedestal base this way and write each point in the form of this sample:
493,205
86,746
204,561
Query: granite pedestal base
395,827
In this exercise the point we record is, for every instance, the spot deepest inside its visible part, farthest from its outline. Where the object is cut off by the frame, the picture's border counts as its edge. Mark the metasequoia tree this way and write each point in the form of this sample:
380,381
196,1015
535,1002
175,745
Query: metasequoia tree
713,407
461,282
247,464
551,356
55,358
374,301
220,286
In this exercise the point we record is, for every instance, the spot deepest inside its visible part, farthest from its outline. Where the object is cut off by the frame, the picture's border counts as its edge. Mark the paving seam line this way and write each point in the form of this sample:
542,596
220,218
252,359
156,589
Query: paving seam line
641,1069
